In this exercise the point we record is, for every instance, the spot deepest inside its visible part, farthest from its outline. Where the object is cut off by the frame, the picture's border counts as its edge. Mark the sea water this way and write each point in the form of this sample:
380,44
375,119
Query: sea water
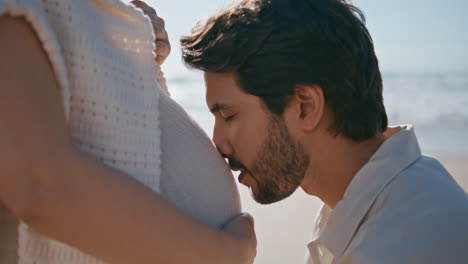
436,104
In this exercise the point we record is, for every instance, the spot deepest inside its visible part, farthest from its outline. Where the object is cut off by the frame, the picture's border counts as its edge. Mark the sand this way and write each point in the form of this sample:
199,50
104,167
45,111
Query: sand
458,167
284,229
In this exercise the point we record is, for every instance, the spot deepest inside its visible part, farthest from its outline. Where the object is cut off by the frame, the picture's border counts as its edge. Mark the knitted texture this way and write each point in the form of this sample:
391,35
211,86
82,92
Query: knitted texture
102,52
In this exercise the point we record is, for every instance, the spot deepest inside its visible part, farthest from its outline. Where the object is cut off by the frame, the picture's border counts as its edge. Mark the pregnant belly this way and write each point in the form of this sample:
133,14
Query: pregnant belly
194,176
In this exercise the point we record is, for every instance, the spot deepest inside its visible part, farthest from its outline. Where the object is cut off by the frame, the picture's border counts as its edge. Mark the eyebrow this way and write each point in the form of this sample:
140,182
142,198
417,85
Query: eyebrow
218,107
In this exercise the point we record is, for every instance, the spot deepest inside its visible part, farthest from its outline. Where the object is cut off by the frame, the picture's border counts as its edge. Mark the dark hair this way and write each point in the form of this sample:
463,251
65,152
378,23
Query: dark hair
274,45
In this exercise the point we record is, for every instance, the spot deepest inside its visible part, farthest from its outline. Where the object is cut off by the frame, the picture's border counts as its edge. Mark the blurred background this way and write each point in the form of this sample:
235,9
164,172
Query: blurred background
422,50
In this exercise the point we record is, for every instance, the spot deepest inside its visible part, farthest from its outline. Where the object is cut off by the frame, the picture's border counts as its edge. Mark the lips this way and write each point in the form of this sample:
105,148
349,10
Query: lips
241,177
242,174
238,166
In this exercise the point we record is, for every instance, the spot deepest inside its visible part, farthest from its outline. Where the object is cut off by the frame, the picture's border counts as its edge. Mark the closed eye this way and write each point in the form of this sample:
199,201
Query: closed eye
229,118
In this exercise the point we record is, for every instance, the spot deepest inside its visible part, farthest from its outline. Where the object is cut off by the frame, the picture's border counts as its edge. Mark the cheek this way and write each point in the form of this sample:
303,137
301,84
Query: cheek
247,138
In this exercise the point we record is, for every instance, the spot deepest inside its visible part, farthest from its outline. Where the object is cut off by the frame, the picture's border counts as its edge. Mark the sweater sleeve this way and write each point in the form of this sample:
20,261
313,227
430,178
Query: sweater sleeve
35,12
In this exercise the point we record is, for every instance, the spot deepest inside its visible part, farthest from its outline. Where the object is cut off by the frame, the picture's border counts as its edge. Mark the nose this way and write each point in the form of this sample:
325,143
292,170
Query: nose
220,139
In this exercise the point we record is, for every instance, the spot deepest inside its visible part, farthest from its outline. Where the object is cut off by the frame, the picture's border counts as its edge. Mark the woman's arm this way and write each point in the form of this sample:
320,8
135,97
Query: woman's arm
65,194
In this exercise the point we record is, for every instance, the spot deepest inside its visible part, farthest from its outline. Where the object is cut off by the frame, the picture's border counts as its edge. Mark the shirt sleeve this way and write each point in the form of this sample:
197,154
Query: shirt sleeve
35,12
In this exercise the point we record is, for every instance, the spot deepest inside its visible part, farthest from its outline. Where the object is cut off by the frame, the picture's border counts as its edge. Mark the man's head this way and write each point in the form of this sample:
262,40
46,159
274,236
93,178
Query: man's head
275,69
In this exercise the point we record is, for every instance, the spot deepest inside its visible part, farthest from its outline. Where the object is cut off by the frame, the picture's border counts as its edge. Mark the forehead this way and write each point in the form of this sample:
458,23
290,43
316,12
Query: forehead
221,88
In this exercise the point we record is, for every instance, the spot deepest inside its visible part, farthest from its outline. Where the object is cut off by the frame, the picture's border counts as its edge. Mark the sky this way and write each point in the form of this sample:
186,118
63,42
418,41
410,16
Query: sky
409,35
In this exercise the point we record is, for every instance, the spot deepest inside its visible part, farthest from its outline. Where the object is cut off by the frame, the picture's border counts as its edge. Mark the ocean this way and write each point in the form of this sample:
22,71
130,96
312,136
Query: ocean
411,34
436,104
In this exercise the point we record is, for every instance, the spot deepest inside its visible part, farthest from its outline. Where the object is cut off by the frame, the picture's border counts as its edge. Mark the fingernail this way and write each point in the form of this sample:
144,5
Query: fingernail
249,216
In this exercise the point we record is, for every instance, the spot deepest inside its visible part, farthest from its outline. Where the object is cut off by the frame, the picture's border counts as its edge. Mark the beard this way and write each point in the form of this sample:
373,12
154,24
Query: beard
280,165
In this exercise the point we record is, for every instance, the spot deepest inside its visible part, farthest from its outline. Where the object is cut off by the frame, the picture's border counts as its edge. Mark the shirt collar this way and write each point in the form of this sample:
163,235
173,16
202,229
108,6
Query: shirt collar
396,153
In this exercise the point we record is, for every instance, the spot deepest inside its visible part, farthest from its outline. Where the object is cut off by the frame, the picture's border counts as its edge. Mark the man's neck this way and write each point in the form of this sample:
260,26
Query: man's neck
334,163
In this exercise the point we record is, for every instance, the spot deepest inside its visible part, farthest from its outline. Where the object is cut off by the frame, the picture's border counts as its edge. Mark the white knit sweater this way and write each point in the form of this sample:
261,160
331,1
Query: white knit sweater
102,55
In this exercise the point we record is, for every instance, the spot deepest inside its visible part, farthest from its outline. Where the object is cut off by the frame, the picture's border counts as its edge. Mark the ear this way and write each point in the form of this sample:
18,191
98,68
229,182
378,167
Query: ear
310,103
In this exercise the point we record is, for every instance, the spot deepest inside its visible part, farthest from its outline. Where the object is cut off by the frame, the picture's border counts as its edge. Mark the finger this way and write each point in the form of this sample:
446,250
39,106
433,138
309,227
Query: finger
156,20
159,74
243,228
160,33
144,6
163,49
242,225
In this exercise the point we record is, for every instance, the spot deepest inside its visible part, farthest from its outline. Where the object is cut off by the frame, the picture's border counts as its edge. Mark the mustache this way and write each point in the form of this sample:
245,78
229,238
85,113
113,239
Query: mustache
235,164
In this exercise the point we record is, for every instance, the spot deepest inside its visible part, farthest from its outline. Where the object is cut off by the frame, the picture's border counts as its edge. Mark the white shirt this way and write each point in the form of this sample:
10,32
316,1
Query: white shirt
401,207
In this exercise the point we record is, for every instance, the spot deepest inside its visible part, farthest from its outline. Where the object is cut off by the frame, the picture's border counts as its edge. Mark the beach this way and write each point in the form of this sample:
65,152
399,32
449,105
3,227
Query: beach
458,167
440,120
285,228
422,57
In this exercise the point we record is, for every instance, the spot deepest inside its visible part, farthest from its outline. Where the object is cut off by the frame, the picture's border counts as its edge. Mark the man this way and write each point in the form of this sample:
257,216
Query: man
296,92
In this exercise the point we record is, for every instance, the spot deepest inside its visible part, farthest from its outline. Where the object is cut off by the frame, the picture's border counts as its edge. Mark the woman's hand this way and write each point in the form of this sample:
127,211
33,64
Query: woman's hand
242,228
163,47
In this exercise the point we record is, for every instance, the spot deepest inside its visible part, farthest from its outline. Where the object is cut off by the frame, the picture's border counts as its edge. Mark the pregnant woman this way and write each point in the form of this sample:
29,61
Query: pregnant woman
93,149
